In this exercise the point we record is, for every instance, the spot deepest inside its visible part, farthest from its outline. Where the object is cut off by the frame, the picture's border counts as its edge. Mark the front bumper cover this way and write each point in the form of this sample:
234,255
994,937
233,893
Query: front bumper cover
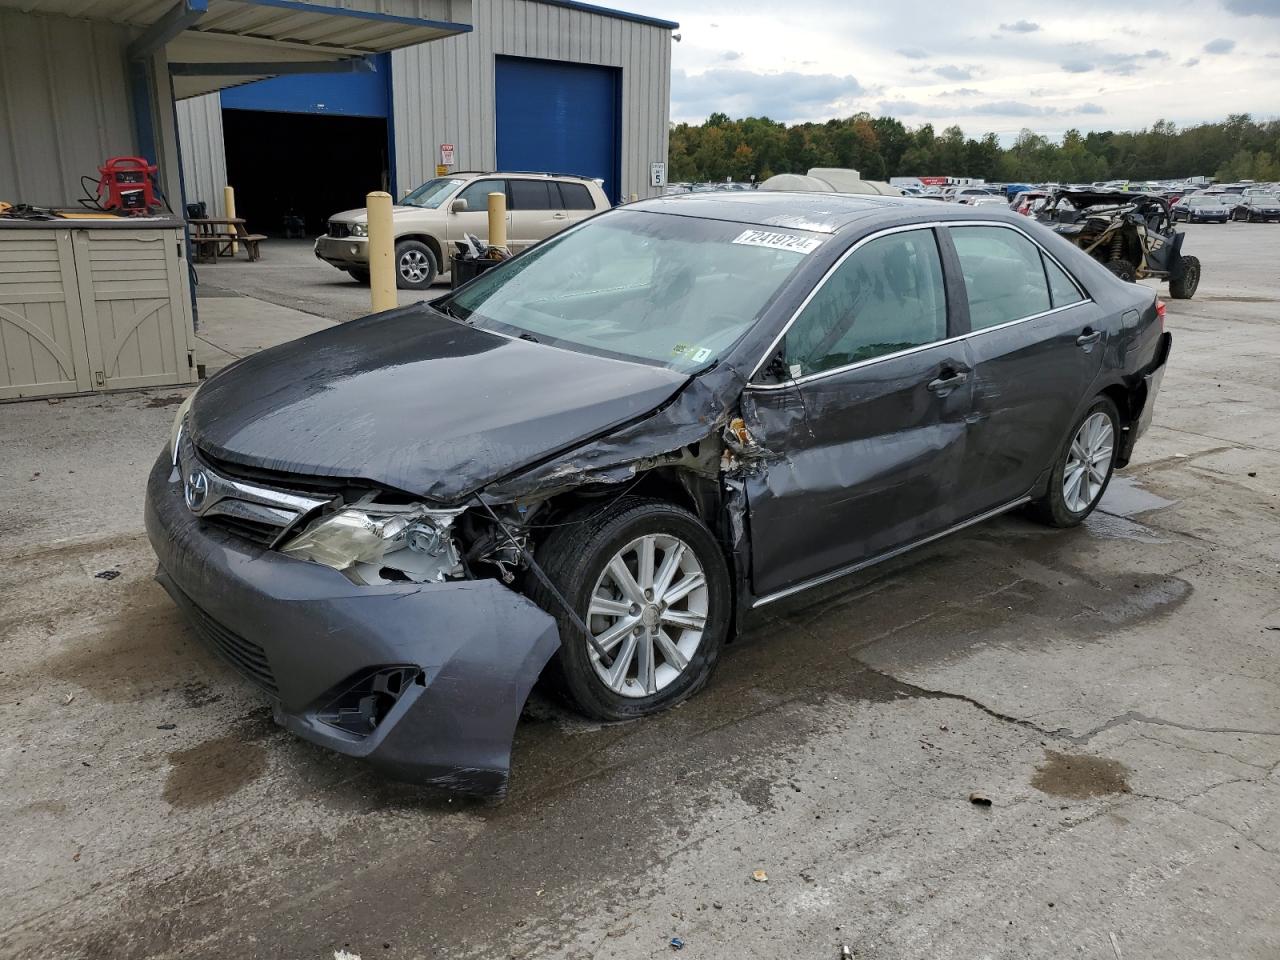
343,252
479,646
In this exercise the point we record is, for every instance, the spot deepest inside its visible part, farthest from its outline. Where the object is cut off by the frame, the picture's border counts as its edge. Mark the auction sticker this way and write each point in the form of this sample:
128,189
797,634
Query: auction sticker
778,241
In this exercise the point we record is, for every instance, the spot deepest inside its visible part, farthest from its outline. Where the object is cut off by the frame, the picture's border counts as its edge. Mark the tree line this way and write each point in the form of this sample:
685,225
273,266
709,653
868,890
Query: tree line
1237,148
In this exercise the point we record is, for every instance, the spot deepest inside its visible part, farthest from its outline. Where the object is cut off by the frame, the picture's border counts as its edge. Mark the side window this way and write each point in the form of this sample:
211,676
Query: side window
1003,275
1061,288
886,296
477,194
532,195
575,196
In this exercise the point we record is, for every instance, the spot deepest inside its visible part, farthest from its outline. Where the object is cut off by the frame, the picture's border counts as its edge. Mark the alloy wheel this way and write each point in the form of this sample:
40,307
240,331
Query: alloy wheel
1088,462
648,610
414,266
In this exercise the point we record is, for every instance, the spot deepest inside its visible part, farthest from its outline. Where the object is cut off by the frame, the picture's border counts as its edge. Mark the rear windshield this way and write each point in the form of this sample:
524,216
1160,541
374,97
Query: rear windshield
668,290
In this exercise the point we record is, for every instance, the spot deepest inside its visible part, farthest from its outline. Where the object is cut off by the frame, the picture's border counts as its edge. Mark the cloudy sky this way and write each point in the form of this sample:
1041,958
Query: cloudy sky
1048,66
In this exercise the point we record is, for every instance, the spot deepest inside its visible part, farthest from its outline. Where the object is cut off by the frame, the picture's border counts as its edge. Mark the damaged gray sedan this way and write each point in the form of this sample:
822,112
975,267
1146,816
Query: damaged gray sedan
593,461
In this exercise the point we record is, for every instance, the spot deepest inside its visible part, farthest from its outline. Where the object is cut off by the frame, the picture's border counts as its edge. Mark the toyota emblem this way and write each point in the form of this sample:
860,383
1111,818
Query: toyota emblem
196,490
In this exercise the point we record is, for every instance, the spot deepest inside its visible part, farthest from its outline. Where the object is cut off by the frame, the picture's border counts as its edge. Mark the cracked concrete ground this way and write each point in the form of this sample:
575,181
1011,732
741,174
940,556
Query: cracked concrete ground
1112,690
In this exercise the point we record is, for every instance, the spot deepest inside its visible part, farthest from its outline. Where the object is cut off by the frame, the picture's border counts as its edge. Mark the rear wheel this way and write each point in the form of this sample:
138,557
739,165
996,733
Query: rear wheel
651,583
1184,285
1083,468
416,265
1122,269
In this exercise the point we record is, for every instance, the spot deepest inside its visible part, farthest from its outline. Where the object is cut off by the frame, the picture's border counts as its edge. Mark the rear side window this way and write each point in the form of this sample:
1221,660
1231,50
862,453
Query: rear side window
477,194
576,196
887,296
1004,275
1062,291
532,195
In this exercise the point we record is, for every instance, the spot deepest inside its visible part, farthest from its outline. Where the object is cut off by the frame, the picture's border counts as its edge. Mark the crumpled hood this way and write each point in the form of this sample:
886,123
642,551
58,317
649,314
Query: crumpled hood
418,402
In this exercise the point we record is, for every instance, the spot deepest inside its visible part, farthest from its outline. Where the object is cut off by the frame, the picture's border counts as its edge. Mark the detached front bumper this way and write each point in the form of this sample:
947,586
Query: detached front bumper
308,636
343,252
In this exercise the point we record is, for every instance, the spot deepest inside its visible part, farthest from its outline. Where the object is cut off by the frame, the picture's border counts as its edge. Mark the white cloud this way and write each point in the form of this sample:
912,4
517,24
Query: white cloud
794,67
1020,26
949,71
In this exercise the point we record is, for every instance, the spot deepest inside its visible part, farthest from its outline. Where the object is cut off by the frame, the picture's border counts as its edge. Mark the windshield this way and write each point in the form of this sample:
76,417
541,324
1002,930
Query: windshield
432,193
669,290
1204,202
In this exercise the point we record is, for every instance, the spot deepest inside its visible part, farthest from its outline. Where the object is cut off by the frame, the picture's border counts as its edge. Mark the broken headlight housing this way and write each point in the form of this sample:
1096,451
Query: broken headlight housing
374,543
359,230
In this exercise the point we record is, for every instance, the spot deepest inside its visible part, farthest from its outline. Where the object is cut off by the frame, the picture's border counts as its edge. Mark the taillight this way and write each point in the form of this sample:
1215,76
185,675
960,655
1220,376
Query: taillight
1160,310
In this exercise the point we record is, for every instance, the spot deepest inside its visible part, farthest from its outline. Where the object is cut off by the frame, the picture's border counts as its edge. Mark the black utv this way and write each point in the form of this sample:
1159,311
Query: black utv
1131,234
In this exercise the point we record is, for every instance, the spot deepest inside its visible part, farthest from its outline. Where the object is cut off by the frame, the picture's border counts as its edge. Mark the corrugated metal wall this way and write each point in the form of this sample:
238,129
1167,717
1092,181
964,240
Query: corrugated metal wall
64,105
443,92
204,159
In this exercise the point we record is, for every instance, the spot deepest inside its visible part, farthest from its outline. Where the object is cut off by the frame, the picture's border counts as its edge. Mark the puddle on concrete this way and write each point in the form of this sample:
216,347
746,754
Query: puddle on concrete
1078,777
1111,527
215,769
1124,498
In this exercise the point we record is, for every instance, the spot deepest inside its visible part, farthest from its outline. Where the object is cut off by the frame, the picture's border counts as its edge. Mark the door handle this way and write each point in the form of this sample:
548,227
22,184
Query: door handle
560,216
948,382
1089,337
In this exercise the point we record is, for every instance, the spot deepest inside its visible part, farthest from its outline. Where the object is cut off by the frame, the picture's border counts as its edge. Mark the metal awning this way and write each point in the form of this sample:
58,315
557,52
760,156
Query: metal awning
212,44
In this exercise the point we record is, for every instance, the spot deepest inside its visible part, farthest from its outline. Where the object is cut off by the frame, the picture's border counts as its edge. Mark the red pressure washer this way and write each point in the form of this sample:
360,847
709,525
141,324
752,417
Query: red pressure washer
125,185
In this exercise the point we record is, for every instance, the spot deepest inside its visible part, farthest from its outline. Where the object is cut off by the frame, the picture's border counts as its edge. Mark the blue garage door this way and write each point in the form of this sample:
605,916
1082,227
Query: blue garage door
559,118
338,94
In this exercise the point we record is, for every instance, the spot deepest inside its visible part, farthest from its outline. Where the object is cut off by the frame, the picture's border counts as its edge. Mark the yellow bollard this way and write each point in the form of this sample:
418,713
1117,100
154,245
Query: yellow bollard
382,252
229,201
497,219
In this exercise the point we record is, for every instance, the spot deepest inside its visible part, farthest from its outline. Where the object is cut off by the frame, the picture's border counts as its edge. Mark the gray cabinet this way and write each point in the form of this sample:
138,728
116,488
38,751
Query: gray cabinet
93,306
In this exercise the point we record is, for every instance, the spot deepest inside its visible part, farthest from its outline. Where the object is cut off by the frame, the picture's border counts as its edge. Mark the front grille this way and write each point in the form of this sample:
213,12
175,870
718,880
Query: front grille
246,656
263,534
339,230
258,513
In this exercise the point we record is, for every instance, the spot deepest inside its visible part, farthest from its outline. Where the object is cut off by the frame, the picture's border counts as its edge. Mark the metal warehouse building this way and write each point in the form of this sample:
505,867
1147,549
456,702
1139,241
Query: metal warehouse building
541,85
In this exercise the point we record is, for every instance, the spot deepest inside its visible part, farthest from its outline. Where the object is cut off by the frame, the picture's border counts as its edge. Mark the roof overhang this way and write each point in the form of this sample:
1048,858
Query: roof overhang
212,44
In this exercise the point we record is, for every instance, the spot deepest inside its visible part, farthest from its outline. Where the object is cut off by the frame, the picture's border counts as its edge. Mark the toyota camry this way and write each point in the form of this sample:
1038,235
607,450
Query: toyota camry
592,463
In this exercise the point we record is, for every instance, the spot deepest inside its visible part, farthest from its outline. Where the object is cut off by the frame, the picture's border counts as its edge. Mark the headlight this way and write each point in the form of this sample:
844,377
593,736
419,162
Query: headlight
178,419
367,534
359,230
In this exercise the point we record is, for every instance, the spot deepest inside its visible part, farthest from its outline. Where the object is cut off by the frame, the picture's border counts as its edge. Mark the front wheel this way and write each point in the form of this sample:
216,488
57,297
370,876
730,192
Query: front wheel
652,585
1083,468
416,265
1184,285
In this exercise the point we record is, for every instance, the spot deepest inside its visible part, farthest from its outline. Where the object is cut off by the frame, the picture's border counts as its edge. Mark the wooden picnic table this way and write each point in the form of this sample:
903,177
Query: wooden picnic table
215,237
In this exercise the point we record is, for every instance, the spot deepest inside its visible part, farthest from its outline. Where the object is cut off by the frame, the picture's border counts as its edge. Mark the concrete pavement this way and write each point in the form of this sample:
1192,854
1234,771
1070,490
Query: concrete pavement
1111,689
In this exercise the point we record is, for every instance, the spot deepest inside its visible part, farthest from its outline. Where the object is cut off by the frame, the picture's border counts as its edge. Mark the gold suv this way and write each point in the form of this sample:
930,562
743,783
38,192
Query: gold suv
441,211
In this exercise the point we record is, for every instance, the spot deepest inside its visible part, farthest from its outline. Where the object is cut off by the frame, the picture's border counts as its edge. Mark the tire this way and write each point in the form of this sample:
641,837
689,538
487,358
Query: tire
359,276
1122,269
577,556
1055,509
1184,286
416,265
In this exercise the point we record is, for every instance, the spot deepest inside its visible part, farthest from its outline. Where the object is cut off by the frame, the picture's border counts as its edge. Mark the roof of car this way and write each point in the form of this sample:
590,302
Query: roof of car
817,212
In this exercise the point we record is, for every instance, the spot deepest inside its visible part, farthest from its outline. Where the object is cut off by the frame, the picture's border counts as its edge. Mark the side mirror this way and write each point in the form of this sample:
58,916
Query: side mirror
458,206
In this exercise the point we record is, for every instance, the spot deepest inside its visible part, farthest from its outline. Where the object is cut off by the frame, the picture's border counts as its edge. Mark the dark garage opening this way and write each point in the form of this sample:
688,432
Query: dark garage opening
299,164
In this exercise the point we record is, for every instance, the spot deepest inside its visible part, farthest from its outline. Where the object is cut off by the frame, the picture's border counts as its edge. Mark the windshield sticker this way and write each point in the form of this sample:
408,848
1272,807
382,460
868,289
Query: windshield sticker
778,241
691,353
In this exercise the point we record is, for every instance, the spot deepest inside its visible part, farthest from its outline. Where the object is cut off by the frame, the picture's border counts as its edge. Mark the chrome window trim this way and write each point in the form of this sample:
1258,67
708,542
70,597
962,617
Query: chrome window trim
889,231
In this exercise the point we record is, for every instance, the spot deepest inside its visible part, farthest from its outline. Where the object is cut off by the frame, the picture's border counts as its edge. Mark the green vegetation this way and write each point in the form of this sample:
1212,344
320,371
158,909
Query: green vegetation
1235,149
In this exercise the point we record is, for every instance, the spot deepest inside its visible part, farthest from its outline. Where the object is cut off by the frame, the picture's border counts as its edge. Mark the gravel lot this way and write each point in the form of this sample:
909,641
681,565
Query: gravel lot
1111,689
